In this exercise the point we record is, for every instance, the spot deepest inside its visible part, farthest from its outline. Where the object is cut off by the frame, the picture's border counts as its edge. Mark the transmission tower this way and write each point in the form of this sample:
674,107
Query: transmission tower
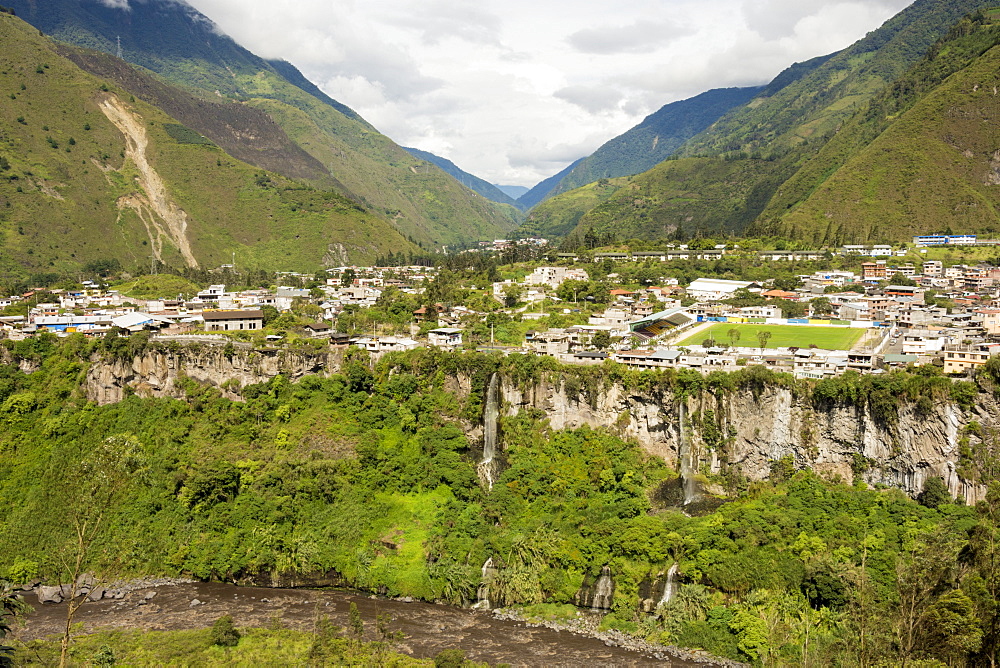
119,51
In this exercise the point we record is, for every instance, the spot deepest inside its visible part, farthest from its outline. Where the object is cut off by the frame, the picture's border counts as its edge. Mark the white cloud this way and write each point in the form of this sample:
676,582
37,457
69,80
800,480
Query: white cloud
594,99
638,37
513,91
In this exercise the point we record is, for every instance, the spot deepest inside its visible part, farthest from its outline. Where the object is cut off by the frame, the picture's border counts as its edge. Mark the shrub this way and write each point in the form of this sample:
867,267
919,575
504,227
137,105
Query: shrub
225,633
449,658
105,657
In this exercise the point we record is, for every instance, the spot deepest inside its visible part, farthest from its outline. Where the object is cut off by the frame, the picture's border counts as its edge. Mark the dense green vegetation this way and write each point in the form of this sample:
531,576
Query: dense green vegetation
917,159
484,188
67,191
754,168
655,139
185,48
367,476
326,645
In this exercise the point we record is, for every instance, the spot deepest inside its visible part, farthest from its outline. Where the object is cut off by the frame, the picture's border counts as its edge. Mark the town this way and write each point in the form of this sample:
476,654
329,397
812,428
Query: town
862,308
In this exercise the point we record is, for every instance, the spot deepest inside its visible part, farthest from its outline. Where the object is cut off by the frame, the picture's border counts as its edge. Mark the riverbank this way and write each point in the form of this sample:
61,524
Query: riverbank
589,626
427,628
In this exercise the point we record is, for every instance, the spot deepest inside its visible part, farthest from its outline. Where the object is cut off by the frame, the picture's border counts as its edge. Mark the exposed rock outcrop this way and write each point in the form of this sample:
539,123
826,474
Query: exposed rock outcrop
754,430
156,372
742,429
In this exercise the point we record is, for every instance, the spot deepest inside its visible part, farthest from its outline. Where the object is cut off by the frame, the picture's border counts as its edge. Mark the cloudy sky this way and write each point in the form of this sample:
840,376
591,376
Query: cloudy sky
514,90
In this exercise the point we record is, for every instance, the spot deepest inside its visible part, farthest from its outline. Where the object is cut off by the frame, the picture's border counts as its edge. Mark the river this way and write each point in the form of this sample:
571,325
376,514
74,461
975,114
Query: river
428,628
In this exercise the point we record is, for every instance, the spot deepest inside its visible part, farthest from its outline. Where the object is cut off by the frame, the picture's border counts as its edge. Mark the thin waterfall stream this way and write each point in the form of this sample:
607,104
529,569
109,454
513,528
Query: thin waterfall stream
670,589
687,457
491,413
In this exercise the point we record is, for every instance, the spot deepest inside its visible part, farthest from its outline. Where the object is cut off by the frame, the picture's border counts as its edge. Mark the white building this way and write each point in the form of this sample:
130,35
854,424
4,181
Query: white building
445,337
554,276
715,289
382,344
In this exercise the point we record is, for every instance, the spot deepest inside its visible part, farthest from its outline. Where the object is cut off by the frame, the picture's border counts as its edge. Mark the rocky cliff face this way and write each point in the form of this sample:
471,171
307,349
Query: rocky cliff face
751,431
743,430
156,372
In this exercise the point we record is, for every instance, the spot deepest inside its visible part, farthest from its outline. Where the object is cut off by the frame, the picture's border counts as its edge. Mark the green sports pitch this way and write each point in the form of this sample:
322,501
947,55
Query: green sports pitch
782,336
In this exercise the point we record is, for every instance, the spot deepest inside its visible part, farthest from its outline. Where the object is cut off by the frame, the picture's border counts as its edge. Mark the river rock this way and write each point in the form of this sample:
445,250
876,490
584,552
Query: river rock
195,603
49,594
150,595
96,594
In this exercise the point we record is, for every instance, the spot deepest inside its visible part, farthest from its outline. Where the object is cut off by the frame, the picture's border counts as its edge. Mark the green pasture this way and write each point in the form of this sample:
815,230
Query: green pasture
782,336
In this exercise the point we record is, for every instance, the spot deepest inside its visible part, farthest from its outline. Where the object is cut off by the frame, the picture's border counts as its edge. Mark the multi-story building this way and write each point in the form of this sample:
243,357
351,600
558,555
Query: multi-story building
229,321
874,271
554,276
933,268
944,240
965,358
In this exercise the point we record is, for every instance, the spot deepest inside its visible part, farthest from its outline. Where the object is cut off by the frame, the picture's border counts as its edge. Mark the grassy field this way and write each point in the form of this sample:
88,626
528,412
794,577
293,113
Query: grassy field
782,336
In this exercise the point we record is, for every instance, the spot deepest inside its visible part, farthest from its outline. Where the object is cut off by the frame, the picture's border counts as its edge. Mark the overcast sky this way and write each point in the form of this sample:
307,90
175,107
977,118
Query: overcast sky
514,90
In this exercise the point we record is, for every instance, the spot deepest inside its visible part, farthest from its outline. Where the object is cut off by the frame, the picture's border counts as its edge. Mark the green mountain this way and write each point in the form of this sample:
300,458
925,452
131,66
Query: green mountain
90,171
757,148
543,188
181,46
470,181
655,139
922,157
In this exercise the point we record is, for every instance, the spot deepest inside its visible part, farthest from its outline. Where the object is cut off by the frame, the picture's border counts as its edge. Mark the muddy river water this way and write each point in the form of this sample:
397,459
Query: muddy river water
428,628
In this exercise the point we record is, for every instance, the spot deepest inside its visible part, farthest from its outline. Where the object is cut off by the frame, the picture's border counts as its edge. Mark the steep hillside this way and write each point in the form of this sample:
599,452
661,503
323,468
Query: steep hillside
679,197
470,181
541,189
816,104
88,171
173,40
750,513
559,216
775,135
934,166
655,139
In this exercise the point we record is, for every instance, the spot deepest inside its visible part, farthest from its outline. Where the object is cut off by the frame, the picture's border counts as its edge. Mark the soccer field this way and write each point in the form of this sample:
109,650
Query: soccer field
782,336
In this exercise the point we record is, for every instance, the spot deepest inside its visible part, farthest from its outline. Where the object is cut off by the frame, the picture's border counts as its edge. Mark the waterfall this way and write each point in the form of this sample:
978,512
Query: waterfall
688,459
604,590
670,589
483,593
490,415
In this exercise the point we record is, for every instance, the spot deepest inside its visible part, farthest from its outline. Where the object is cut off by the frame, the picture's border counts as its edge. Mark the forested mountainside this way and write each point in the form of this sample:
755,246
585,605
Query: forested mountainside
375,476
921,157
541,189
89,171
655,139
758,148
173,40
470,181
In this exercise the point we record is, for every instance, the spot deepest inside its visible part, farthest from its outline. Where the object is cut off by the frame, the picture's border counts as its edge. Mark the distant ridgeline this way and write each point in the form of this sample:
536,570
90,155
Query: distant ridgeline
319,154
363,475
873,143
